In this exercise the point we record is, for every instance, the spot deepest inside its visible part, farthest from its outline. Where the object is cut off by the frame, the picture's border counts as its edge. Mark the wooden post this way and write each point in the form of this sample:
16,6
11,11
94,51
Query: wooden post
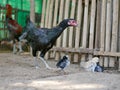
43,14
108,31
114,30
66,13
50,17
98,23
60,19
85,27
32,10
47,13
119,38
49,25
55,13
72,15
77,32
103,25
92,25
32,15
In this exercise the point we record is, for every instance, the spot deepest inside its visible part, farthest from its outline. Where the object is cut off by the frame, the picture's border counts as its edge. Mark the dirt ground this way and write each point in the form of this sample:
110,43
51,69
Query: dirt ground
17,72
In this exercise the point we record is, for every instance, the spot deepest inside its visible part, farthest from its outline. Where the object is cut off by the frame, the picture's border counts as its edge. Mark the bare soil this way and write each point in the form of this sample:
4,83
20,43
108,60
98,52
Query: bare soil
17,72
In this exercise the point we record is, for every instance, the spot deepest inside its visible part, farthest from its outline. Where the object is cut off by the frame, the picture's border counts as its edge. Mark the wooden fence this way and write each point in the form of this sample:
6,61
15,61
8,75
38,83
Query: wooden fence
97,34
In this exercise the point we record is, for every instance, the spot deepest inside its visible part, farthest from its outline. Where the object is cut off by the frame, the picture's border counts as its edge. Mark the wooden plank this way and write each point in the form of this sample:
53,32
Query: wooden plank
32,11
85,27
58,44
32,15
104,53
114,30
43,13
72,15
119,39
55,13
78,28
108,31
50,17
86,51
66,13
92,25
103,25
73,50
47,13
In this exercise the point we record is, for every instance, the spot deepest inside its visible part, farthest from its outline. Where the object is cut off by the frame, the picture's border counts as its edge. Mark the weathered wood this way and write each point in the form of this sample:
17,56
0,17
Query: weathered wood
92,25
32,10
73,50
104,53
43,13
72,15
50,17
103,25
55,13
86,51
58,44
32,15
114,30
66,13
119,38
78,28
108,30
85,27
47,13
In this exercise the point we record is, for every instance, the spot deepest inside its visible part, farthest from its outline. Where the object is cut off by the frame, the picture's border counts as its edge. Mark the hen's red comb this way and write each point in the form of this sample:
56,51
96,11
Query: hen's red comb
8,6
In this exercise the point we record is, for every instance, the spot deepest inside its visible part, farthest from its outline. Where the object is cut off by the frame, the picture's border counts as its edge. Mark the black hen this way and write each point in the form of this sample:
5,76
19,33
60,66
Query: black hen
43,39
62,63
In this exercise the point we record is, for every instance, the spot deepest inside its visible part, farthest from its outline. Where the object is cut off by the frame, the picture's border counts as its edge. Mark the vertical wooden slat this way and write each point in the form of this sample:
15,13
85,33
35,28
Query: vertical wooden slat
60,19
119,39
98,18
50,17
32,10
55,12
66,13
85,27
102,31
32,15
43,13
108,31
72,15
78,28
92,25
47,13
114,30
46,19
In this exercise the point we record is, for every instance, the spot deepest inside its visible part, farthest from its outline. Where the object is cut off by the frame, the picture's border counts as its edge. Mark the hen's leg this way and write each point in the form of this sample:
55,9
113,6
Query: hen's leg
20,46
36,62
14,48
46,64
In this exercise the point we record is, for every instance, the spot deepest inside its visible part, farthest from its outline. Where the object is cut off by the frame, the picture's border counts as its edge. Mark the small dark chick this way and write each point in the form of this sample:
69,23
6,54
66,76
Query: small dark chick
62,63
98,68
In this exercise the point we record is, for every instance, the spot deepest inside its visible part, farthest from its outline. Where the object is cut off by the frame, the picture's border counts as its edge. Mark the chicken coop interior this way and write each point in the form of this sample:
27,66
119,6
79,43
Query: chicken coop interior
97,33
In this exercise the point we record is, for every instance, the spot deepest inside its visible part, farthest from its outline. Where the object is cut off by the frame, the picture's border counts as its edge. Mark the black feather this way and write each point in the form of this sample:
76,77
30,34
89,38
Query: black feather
43,39
62,63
